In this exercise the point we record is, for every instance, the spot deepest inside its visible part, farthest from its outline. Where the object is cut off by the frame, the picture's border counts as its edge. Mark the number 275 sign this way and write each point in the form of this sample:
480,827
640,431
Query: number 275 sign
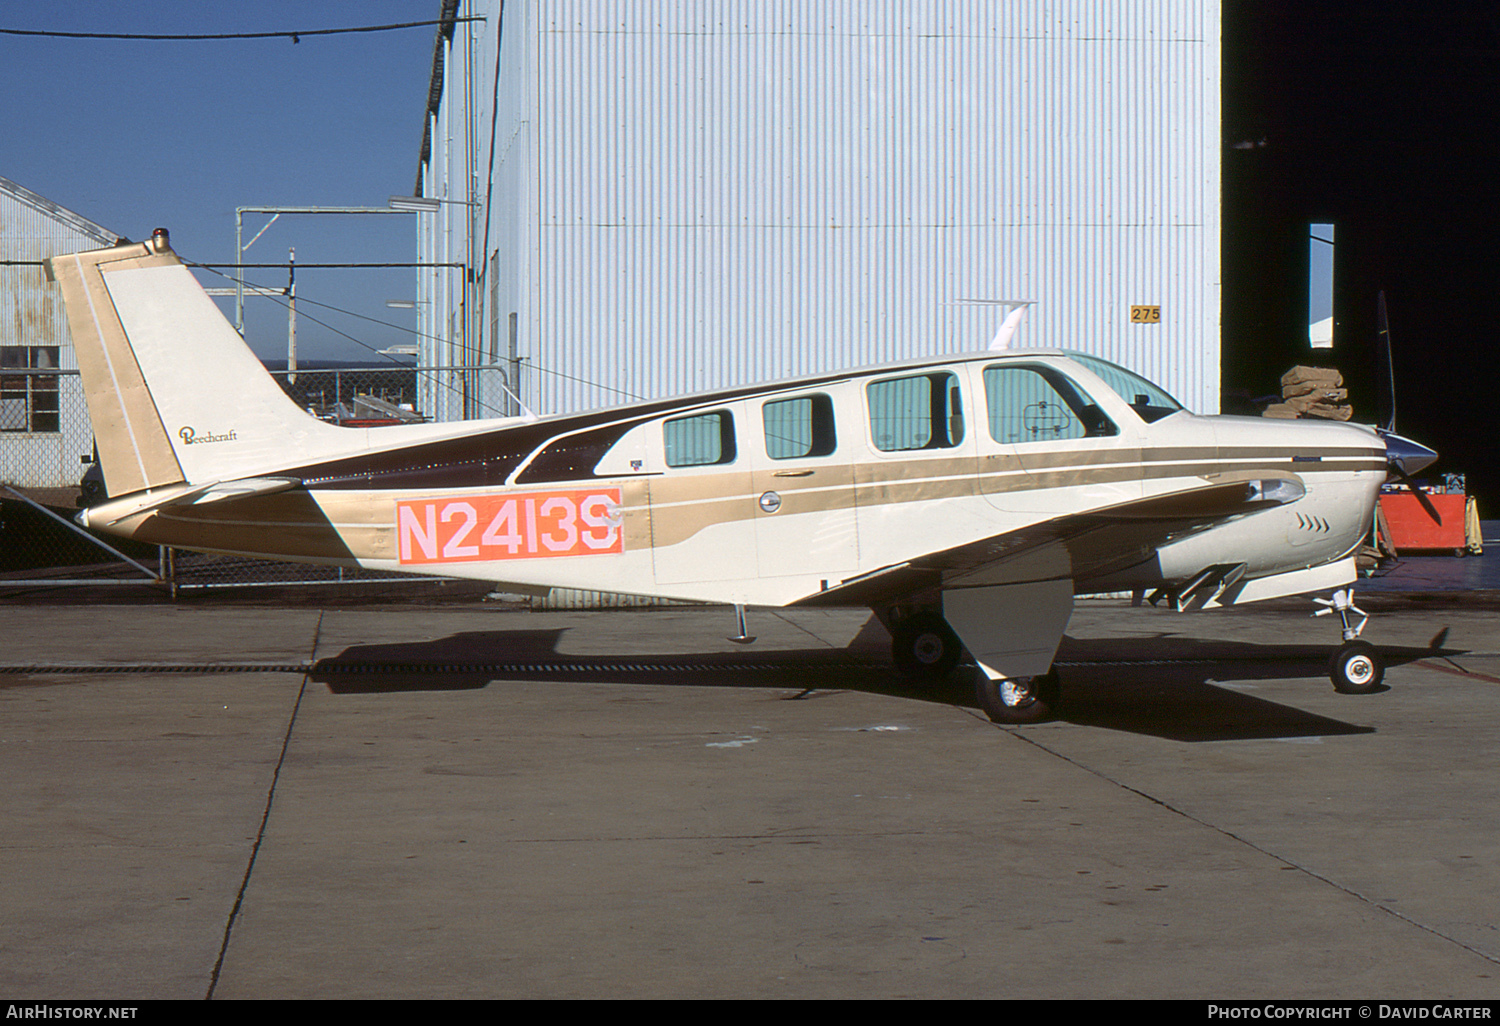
532,525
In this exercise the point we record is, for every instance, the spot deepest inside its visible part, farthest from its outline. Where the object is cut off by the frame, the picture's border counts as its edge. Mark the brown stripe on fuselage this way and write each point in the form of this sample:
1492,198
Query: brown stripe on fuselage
332,525
341,523
490,458
1013,481
889,482
281,525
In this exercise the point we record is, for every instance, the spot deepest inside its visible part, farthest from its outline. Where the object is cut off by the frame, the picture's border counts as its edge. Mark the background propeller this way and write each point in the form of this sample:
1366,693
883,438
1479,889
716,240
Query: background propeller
1403,457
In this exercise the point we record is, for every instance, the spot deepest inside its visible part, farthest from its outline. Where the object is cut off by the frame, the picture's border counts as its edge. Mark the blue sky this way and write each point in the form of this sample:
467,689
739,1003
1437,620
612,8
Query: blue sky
135,135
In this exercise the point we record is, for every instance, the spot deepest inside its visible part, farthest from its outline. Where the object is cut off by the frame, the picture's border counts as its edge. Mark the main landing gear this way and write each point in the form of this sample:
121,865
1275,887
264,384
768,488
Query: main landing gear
1356,667
926,650
924,647
1018,699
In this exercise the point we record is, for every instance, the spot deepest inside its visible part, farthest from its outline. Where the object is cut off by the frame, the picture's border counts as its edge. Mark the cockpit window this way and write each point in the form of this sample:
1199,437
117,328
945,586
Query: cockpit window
1149,401
1035,404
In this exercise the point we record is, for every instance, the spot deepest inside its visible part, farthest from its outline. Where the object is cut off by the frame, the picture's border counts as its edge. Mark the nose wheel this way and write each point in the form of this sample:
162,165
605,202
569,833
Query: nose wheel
1356,667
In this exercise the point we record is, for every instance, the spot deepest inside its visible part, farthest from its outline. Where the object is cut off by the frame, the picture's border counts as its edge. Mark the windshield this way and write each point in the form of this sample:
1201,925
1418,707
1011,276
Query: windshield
1150,401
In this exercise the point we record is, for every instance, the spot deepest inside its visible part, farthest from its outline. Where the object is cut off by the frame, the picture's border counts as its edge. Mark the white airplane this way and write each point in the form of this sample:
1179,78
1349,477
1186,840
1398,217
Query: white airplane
965,499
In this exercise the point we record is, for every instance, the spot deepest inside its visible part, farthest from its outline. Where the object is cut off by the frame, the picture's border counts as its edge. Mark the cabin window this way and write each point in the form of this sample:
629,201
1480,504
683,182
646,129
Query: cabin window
799,428
1030,405
28,401
923,411
699,441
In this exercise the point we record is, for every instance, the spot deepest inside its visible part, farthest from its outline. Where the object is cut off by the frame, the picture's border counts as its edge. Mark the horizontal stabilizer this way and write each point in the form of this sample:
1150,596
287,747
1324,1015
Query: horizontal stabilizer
242,488
133,506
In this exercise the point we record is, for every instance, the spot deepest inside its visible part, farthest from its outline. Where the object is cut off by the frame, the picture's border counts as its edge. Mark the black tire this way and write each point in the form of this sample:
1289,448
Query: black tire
1020,699
925,648
1356,669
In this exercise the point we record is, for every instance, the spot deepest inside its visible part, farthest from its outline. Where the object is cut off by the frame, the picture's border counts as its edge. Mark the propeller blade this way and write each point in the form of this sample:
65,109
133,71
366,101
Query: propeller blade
1421,495
1403,458
1383,327
1422,498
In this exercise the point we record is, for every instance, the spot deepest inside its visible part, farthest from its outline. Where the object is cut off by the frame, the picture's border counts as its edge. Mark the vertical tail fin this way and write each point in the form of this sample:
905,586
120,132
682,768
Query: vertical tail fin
174,393
134,450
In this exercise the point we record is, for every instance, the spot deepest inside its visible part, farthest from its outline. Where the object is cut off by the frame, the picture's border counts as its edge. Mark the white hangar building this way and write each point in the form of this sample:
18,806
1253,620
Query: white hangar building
648,197
45,437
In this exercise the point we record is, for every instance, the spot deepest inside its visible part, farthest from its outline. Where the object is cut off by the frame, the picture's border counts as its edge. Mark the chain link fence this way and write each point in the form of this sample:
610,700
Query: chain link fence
47,475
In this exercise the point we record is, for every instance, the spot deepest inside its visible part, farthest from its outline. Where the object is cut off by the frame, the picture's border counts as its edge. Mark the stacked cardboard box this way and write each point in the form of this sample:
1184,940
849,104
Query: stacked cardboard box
1312,392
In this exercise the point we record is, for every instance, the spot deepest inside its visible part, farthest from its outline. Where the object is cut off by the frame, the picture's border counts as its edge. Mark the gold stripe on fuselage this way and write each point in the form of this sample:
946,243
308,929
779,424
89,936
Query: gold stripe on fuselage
665,510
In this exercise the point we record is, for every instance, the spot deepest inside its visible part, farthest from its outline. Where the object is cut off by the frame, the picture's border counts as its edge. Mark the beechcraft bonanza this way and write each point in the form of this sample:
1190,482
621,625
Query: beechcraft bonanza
965,499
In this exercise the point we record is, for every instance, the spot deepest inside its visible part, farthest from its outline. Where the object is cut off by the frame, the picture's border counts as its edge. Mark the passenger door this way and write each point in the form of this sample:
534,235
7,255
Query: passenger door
803,487
915,482
700,528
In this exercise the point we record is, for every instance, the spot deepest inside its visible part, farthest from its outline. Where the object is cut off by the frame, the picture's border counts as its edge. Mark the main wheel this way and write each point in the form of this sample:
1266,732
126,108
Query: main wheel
1018,699
925,648
1356,668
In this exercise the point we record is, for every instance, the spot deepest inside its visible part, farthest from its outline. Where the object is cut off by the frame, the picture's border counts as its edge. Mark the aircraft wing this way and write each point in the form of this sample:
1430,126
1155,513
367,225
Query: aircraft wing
1079,546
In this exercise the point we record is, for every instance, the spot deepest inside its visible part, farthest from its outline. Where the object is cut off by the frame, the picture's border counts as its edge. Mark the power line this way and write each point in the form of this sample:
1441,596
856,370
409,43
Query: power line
294,36
301,300
301,266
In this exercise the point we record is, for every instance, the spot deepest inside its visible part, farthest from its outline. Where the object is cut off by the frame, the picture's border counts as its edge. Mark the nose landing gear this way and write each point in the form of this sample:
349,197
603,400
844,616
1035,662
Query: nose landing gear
1356,667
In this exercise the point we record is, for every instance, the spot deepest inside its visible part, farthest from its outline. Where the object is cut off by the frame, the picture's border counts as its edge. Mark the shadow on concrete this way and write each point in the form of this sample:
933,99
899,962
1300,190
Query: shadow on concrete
1170,687
474,659
1166,687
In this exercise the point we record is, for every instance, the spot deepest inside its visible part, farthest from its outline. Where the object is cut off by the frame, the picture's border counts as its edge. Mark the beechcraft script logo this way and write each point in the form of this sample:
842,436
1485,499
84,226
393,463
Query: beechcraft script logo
531,525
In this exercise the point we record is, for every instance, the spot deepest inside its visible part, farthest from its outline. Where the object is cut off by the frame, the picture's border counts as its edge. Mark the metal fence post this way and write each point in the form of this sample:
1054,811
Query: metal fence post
167,563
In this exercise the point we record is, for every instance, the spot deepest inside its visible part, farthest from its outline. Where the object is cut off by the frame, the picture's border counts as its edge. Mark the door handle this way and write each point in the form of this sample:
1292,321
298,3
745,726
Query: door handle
793,473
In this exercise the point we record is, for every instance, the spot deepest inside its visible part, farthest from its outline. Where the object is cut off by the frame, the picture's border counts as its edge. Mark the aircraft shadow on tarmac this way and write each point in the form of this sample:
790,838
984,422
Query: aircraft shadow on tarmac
1166,687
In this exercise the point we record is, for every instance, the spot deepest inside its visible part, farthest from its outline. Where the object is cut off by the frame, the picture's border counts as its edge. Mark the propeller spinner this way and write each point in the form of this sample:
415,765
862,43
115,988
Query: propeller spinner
1403,458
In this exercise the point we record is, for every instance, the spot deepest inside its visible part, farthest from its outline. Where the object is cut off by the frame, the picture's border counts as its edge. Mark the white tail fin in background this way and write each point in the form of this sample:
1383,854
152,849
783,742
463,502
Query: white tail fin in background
1008,328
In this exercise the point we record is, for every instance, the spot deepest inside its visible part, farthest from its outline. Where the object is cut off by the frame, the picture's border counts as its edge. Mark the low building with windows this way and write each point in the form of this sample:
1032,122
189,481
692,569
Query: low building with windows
45,437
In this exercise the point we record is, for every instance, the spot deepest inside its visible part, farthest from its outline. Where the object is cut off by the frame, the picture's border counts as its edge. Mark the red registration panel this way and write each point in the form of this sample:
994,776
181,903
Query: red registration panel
530,525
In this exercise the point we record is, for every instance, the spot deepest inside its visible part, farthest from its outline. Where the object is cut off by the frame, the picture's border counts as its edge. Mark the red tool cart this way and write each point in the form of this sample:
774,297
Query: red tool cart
1409,527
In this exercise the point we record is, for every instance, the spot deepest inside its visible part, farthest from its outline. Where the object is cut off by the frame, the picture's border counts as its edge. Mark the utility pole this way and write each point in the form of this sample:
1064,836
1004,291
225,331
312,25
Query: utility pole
291,317
240,288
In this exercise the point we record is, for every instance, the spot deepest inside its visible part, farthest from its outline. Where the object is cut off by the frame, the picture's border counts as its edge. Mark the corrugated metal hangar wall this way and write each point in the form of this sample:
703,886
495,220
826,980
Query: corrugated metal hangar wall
659,197
44,428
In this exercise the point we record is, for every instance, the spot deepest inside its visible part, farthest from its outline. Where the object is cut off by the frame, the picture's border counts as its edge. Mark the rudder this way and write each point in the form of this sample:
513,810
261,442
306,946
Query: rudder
174,392
134,451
